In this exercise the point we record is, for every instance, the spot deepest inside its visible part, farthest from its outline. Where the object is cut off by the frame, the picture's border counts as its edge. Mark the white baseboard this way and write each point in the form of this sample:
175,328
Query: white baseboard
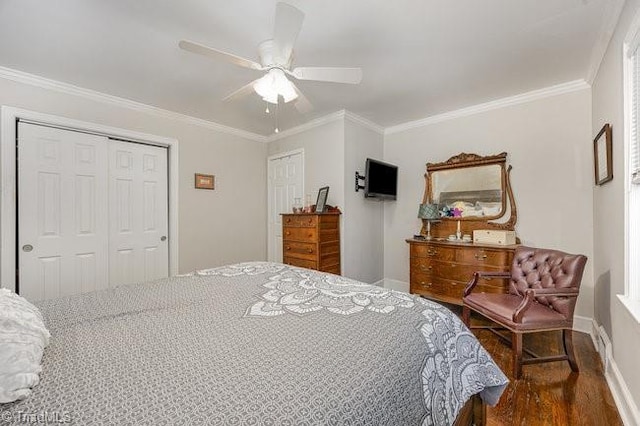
379,283
583,324
396,285
627,407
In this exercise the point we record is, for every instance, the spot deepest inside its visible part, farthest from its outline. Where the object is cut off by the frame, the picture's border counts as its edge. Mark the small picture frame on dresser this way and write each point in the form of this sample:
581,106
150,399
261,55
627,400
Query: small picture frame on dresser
321,202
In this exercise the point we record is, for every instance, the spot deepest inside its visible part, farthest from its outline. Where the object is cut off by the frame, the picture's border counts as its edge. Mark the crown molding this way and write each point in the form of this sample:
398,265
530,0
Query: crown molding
320,121
316,122
559,89
363,122
58,86
45,83
607,29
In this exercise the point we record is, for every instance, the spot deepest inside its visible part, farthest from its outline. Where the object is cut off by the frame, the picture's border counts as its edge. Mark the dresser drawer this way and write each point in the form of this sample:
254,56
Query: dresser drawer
459,271
303,221
432,252
299,234
312,240
300,250
425,282
452,289
303,263
422,265
482,288
481,256
492,285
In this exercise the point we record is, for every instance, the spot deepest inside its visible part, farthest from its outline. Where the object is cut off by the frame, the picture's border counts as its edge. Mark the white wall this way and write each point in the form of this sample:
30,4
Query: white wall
215,227
333,152
548,142
323,156
363,218
608,212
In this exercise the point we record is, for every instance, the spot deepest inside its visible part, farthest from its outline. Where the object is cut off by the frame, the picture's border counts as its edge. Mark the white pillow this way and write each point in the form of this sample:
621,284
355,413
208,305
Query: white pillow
23,338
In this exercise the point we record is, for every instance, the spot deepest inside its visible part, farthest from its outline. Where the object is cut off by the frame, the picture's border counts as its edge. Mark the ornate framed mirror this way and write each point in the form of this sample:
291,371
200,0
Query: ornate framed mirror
470,190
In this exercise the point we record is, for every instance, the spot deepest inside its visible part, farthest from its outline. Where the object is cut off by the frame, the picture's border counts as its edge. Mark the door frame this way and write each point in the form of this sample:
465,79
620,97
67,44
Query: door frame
9,117
270,234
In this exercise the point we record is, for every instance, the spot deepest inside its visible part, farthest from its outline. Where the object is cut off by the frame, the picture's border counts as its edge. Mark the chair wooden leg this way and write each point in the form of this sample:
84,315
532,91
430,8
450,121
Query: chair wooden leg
516,348
567,340
466,316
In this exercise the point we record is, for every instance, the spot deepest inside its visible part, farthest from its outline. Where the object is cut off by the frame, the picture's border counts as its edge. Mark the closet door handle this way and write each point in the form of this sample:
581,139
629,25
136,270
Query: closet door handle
163,238
27,248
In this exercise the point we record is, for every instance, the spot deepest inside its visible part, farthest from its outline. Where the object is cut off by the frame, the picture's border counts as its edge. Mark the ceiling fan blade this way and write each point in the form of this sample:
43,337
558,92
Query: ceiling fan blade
245,90
287,26
201,49
302,104
332,74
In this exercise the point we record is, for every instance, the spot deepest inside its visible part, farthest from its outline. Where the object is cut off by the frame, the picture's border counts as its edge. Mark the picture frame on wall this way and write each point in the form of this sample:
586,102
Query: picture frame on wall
602,154
203,181
321,202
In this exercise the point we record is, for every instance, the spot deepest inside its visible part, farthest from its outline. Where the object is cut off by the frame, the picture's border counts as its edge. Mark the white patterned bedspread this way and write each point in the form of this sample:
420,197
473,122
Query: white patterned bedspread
256,343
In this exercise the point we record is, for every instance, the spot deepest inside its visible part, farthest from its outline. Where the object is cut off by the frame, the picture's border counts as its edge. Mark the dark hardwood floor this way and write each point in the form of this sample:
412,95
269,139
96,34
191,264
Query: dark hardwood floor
550,393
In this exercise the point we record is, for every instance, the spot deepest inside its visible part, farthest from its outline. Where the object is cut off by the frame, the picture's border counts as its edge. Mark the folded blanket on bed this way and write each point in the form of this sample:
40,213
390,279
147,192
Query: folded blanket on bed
23,338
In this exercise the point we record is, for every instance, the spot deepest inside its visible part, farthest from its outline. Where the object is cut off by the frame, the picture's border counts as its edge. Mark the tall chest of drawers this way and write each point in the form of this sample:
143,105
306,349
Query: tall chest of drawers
312,240
440,270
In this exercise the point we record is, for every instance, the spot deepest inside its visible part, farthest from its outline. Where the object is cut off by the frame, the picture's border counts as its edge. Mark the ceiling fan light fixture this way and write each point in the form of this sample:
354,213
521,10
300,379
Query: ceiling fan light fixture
271,98
275,84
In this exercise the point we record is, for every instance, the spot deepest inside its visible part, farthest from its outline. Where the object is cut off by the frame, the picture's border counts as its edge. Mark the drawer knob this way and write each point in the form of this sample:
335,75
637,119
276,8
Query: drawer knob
432,252
310,250
424,268
288,220
287,233
288,248
480,256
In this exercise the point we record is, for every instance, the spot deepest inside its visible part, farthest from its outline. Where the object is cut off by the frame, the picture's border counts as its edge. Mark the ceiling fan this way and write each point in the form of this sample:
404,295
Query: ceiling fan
276,57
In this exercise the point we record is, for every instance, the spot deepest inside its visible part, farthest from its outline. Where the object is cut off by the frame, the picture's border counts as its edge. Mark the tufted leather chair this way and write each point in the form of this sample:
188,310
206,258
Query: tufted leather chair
542,295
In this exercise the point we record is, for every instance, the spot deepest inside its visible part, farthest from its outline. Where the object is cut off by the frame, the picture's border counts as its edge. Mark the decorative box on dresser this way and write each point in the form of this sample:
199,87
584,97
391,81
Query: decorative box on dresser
312,240
440,270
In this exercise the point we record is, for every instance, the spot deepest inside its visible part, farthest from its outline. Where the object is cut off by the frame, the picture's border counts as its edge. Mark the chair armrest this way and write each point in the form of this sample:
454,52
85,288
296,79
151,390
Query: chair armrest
531,293
524,305
567,292
483,274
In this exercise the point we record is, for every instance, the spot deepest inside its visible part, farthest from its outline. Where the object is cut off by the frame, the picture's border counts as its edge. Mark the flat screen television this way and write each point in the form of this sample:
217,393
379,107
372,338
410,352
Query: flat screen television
381,180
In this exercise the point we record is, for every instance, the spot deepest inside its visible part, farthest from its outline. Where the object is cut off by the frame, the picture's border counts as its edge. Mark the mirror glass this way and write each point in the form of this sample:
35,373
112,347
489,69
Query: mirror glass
475,191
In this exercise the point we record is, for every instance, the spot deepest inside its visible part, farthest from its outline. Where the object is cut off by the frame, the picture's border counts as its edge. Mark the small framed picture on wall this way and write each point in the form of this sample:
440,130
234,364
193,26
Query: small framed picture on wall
205,181
603,161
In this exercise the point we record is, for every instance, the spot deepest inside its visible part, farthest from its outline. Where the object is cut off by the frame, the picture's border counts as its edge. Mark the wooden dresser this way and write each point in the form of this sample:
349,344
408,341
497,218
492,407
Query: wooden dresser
312,240
440,270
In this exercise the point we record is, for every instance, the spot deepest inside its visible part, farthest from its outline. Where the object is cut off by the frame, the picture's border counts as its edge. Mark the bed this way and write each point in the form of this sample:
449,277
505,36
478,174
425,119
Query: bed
257,343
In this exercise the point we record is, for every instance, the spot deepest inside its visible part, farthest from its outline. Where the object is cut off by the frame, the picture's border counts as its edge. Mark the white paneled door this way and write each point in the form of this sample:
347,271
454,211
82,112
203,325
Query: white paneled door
286,183
62,212
138,213
92,212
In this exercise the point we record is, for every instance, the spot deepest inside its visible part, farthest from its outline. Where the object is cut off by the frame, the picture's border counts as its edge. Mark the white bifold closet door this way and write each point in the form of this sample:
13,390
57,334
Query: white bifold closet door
138,213
88,208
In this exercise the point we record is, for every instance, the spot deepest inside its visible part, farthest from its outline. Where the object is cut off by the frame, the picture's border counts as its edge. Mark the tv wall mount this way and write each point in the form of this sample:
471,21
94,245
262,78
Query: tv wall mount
359,177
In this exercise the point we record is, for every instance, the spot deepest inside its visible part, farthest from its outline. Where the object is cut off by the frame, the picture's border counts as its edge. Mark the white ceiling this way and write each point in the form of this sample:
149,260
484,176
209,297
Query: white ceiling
419,57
